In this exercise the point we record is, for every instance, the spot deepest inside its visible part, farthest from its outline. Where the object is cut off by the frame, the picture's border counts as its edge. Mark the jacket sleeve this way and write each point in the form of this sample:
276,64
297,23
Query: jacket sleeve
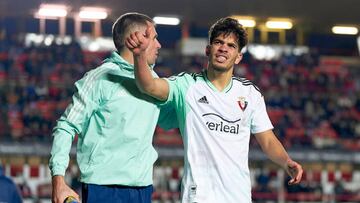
167,117
76,116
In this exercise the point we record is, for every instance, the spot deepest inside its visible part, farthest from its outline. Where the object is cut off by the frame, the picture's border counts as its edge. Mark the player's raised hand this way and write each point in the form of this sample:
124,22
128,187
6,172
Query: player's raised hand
138,41
295,170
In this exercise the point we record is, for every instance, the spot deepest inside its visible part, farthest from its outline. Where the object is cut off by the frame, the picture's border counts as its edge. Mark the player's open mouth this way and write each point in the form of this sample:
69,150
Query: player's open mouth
220,58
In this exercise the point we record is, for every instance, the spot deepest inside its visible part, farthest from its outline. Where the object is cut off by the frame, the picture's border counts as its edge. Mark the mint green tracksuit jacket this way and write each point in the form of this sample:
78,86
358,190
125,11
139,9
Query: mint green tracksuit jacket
115,124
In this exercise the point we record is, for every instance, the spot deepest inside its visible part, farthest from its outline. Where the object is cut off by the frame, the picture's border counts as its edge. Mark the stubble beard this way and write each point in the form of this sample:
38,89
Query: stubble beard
220,69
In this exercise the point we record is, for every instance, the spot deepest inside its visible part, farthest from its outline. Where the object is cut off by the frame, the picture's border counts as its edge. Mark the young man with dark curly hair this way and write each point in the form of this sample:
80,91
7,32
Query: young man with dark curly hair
217,113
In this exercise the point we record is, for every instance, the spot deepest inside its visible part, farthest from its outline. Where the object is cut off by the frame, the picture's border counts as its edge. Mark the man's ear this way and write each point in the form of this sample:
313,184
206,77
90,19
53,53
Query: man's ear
238,58
207,50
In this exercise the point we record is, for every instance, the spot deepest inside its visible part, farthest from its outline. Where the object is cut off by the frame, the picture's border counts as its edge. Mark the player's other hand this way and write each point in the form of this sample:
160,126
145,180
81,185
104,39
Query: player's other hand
138,41
60,191
295,171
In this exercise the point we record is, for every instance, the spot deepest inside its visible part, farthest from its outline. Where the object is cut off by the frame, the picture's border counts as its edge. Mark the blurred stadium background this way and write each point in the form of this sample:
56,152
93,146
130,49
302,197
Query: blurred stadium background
308,72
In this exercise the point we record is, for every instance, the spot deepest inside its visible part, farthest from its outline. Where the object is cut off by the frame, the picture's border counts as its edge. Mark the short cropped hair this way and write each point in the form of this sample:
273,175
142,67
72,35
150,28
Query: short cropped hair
227,26
126,24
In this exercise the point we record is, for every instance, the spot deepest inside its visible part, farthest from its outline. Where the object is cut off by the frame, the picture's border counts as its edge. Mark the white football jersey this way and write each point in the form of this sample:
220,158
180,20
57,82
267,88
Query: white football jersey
216,128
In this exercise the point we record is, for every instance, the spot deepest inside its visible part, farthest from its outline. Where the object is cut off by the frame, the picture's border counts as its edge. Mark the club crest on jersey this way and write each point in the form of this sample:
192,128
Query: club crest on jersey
242,103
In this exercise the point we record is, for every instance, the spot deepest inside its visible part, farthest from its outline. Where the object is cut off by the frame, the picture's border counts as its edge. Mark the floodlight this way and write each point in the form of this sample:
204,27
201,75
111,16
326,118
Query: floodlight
166,20
51,11
279,24
345,30
93,13
246,21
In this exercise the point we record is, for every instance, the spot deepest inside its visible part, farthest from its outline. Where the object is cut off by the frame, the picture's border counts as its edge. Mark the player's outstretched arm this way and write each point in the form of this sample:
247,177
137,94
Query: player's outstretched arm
138,44
276,152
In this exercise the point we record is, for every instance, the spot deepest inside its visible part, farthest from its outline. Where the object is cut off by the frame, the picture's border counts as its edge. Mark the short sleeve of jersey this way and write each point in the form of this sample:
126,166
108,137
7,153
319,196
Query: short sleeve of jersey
178,86
167,118
260,121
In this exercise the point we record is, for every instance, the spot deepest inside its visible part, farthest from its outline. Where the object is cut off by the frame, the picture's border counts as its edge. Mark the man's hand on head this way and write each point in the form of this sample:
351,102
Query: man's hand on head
138,42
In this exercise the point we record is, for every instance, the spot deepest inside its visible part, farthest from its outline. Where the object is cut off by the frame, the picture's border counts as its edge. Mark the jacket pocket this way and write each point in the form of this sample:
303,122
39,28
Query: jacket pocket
96,155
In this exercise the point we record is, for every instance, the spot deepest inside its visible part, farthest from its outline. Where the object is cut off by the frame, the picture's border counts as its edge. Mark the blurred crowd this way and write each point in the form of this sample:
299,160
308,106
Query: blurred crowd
313,101
36,84
321,182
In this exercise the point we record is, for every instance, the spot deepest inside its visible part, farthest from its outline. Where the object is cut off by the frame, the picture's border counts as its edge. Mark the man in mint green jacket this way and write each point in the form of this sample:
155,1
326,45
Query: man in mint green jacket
115,124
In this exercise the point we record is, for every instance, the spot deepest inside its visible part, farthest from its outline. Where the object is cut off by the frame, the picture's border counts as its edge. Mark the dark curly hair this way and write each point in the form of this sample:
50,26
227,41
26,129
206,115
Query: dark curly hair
227,26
